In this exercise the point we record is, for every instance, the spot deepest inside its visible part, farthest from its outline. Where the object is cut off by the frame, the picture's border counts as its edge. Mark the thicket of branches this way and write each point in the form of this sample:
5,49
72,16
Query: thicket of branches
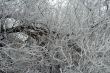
54,36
